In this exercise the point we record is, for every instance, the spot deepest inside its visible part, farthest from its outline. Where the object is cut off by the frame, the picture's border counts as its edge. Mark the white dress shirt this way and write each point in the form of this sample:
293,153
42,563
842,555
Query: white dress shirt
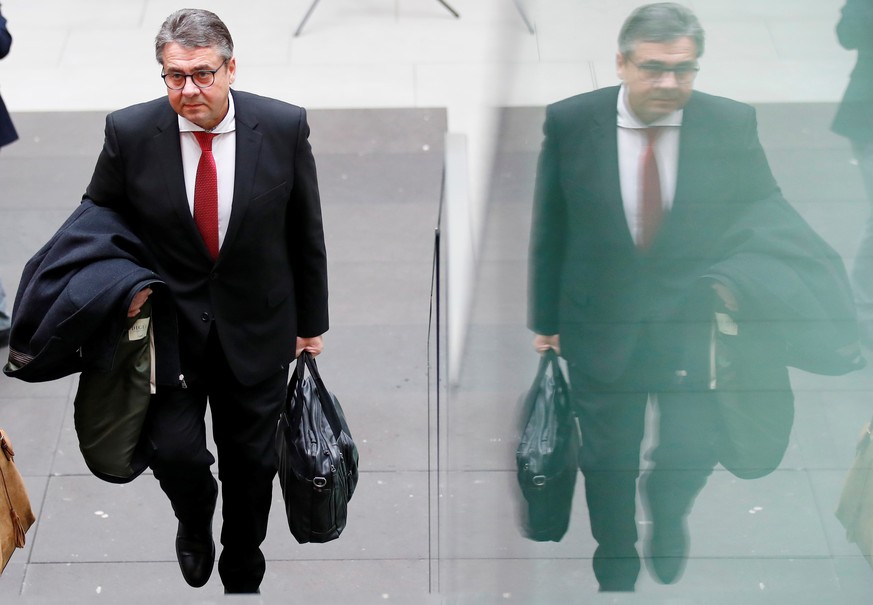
224,152
632,141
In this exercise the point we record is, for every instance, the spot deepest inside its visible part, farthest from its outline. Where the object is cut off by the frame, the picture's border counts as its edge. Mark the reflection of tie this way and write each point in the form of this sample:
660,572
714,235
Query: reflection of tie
651,208
206,194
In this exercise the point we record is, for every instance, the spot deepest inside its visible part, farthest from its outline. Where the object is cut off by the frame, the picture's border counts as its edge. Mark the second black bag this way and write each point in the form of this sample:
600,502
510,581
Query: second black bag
318,460
547,452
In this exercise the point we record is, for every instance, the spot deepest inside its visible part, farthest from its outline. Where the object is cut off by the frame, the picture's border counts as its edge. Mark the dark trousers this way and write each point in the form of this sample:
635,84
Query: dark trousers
244,420
612,423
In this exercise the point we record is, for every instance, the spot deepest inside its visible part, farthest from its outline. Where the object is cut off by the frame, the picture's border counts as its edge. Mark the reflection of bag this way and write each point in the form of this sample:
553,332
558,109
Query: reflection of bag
755,402
318,461
16,516
546,454
110,407
855,510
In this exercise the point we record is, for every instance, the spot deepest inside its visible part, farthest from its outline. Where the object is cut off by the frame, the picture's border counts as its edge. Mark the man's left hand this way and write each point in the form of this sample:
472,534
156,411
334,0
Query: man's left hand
312,345
727,297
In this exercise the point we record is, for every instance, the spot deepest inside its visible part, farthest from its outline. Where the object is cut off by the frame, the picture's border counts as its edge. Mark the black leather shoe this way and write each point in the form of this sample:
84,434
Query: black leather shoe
4,337
667,550
196,555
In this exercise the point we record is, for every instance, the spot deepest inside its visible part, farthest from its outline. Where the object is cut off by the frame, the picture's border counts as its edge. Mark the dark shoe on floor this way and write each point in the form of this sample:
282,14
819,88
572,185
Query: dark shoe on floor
667,551
4,337
196,554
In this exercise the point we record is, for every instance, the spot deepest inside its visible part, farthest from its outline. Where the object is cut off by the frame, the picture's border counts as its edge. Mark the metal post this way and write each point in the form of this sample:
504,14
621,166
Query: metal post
314,2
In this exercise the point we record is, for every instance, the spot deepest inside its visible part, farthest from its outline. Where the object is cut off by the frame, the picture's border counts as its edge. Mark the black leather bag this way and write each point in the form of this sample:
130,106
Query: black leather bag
754,401
546,457
318,460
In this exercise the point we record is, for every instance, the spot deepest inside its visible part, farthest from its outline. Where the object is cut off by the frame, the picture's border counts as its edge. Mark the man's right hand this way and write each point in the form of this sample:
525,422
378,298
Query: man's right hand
543,343
138,301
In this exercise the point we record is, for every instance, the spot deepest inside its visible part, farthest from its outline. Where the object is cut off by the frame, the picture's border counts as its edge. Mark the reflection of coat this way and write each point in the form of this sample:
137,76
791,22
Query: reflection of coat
269,283
7,130
588,281
795,309
792,289
854,118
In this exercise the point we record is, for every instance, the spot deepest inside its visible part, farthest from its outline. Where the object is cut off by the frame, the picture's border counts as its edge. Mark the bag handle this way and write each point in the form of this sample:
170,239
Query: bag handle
17,525
550,359
6,447
545,361
324,396
295,385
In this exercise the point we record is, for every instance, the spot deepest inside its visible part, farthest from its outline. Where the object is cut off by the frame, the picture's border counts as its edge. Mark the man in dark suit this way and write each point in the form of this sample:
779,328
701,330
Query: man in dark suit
617,256
236,233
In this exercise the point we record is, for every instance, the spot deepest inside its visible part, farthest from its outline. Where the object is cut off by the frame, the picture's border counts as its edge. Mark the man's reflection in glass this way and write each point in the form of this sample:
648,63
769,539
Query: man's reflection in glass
664,260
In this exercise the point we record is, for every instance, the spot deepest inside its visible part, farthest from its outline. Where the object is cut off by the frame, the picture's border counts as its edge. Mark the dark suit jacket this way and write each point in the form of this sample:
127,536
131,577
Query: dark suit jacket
269,283
854,118
7,130
587,280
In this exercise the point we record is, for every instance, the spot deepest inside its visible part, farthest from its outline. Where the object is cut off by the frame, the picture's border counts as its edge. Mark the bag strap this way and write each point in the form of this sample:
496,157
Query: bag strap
6,447
545,361
324,396
557,372
17,525
295,386
549,359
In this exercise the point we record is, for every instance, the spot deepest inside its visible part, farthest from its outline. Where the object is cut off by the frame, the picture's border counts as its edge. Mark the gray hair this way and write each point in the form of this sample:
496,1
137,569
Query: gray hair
660,22
194,28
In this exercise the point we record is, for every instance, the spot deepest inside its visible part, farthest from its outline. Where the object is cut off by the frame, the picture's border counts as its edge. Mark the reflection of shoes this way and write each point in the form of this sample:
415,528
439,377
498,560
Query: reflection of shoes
617,572
617,587
667,550
4,337
196,555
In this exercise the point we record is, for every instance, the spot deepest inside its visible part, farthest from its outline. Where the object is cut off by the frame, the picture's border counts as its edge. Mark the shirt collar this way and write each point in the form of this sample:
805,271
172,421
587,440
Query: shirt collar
627,119
228,124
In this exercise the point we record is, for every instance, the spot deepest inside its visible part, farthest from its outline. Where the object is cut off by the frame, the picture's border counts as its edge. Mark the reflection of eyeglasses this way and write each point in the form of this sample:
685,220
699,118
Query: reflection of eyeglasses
202,78
653,72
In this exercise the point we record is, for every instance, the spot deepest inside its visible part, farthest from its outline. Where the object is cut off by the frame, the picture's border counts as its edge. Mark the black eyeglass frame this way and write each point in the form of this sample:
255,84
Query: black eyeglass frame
199,72
684,73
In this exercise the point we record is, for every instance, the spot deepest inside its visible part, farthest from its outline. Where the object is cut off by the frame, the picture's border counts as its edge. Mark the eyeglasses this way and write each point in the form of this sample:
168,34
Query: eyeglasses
202,78
654,72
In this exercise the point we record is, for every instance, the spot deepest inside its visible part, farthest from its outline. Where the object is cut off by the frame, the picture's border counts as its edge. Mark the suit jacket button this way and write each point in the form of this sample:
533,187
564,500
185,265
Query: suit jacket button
204,317
214,275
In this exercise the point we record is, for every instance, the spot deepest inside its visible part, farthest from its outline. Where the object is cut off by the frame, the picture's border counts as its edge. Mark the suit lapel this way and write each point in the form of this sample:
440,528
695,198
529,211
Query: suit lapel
168,150
248,148
605,141
694,136
693,166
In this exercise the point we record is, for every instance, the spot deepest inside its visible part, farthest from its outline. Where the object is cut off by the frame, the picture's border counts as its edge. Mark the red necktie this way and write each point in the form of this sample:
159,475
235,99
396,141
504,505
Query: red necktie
206,194
651,207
